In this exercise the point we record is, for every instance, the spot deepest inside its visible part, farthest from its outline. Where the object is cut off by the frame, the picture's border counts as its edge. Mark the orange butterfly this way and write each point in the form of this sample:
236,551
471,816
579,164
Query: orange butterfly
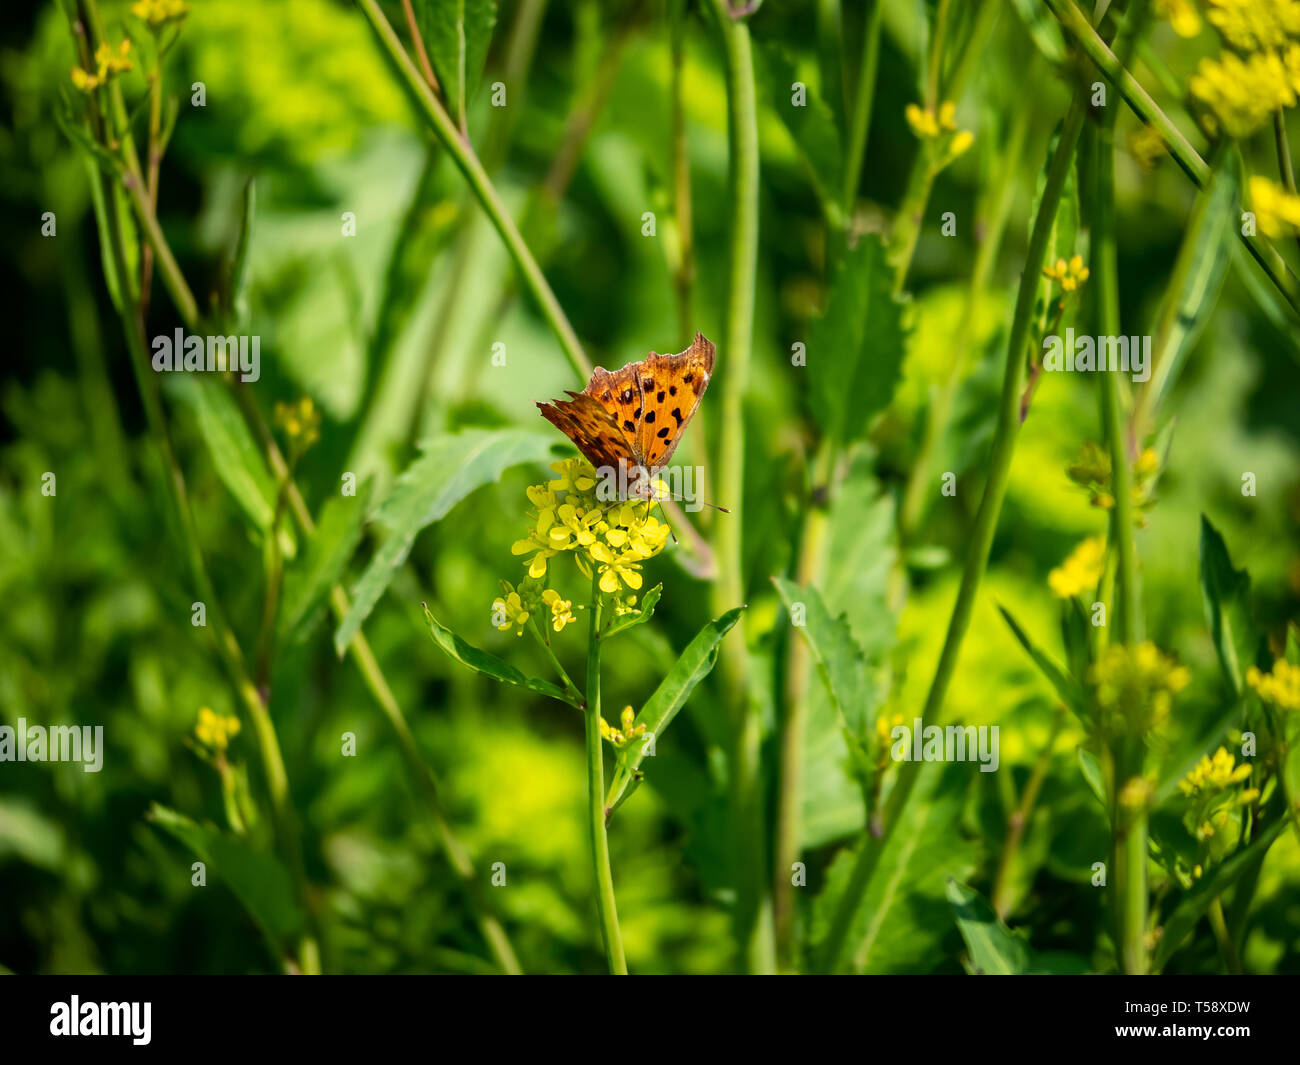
633,420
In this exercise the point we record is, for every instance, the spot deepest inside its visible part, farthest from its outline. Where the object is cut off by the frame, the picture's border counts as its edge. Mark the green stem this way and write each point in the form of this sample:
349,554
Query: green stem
461,152
1142,105
545,645
597,814
1284,165
981,538
753,921
794,724
864,96
1227,948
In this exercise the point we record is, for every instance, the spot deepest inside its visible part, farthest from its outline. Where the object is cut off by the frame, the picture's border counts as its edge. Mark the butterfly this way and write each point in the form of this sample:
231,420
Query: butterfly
634,419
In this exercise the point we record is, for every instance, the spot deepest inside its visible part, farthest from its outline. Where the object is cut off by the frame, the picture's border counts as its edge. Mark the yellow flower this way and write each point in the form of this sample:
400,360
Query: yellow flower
1182,16
1240,94
113,62
1135,687
1081,571
1281,687
941,128
214,730
300,422
510,611
1274,207
1255,25
561,609
923,123
84,81
1213,774
1068,275
159,12
1147,146
614,568
629,732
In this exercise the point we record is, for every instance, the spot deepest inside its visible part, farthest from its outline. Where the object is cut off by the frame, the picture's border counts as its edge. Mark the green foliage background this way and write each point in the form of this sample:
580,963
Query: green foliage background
95,627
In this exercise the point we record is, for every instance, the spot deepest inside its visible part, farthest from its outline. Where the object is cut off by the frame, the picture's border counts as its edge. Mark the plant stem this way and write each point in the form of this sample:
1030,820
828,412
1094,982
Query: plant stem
459,148
794,725
684,276
1019,820
864,95
981,538
605,903
1284,166
1227,948
753,917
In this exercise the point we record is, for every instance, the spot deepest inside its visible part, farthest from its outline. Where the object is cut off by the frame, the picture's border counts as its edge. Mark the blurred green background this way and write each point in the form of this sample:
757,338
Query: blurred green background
391,333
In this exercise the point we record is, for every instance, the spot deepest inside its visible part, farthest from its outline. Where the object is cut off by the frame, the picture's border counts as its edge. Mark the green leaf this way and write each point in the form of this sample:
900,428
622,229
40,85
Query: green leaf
1192,907
645,612
1198,275
856,350
1092,777
994,949
1226,595
258,880
235,455
1066,686
811,124
456,35
902,920
449,468
307,585
239,277
691,667
1043,28
490,664
840,661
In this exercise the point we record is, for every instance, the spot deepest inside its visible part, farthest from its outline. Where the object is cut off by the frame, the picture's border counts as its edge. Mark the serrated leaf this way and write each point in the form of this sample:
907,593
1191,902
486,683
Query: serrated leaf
448,469
840,661
994,949
1225,592
307,585
692,666
259,881
489,664
855,351
456,35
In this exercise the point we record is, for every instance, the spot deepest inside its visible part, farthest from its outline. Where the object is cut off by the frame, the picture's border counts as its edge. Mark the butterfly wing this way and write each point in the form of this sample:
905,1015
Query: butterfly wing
671,387
591,427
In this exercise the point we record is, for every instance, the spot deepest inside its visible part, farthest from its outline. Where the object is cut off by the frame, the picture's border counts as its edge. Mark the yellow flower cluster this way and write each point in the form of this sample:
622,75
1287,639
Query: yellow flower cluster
1069,276
215,731
107,63
1241,89
1182,16
1255,25
159,12
1212,816
1274,207
621,737
300,422
1281,687
1213,774
611,538
1135,687
1081,571
1091,470
941,128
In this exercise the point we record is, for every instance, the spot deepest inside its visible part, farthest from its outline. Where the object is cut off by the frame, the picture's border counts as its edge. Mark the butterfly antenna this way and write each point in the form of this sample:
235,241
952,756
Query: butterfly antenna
664,513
